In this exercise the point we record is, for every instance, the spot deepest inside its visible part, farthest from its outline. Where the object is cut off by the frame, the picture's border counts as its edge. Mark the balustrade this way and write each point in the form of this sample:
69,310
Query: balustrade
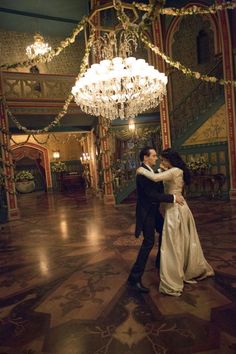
195,104
36,86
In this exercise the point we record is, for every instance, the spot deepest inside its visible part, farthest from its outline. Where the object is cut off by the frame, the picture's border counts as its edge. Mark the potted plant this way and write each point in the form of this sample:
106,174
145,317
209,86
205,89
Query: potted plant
58,167
3,199
199,166
24,182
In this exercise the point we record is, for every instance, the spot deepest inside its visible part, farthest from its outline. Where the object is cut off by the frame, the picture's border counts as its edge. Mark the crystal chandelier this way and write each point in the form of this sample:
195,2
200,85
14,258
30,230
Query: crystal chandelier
38,48
119,87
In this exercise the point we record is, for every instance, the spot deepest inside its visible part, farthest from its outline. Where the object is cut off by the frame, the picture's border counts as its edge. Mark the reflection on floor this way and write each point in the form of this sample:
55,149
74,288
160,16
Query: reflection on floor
64,267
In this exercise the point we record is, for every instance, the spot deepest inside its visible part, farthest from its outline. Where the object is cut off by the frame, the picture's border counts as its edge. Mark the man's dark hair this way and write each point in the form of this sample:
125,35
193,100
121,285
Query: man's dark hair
145,152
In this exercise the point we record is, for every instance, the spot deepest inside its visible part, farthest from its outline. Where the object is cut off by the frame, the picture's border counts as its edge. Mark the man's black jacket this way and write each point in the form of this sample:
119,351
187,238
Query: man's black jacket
149,193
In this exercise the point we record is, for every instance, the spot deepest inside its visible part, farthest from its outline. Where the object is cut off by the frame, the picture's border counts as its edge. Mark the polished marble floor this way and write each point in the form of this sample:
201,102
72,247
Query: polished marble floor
63,271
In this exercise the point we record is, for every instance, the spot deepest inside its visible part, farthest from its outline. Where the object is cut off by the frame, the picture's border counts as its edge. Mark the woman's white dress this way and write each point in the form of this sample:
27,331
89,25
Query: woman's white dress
182,258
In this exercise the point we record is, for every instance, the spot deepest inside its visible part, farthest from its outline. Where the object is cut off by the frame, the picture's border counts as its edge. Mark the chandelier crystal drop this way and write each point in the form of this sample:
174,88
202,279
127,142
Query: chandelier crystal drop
120,88
38,48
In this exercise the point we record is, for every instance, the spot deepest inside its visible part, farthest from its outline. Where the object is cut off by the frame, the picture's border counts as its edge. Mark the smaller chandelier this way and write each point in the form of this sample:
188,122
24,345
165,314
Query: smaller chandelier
85,158
38,48
120,88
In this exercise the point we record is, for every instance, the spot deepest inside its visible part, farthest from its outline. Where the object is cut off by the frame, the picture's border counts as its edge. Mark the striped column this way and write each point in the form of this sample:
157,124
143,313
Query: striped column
7,163
229,97
164,111
106,162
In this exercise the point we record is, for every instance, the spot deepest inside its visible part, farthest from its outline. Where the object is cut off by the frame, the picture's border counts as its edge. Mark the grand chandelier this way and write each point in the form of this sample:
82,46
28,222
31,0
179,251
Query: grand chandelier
38,48
119,87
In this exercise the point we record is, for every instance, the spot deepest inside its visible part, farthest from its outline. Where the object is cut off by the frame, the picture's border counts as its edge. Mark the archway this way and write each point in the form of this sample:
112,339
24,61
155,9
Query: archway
39,155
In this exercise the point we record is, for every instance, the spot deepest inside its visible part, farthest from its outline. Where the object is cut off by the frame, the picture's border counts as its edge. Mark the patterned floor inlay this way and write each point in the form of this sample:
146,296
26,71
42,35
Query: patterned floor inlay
63,272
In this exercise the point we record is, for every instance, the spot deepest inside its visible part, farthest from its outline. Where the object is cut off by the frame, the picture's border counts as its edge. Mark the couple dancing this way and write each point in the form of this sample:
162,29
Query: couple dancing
180,257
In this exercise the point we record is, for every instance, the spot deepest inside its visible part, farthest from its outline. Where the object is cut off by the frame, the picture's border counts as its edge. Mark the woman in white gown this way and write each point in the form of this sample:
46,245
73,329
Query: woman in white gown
182,258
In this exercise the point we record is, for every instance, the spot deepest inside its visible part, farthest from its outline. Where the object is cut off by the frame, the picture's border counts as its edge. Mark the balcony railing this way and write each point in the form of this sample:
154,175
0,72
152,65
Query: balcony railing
36,86
195,104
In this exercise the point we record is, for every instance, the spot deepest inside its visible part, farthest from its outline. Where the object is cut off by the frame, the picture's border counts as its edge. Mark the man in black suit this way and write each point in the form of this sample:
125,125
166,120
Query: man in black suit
148,217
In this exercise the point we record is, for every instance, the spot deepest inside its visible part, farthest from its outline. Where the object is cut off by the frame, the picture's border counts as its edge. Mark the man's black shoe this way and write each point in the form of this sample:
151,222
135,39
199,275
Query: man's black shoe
139,287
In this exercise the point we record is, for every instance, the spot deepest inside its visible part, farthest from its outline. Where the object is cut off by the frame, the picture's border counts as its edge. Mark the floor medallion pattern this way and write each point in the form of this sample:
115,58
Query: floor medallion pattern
63,272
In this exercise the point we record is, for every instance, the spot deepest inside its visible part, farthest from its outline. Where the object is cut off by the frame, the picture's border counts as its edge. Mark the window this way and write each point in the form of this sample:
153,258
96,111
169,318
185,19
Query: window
203,49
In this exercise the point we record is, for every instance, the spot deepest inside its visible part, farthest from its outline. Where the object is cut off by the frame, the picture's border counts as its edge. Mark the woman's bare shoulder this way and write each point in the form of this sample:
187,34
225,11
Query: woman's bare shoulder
177,170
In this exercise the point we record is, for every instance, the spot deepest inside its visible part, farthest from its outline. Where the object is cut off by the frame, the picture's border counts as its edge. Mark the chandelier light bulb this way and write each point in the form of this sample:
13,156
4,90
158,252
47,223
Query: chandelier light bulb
38,48
120,88
56,154
131,125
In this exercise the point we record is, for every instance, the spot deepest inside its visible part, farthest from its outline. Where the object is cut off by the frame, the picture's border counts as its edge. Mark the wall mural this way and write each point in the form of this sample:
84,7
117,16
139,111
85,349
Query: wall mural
212,131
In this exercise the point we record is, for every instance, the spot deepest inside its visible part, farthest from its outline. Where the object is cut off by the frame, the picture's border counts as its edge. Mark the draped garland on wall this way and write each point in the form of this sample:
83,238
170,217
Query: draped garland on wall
70,137
56,121
192,10
152,11
47,57
4,176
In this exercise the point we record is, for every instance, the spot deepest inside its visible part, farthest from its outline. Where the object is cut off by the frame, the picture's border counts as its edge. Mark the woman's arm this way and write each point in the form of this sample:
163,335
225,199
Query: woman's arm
156,177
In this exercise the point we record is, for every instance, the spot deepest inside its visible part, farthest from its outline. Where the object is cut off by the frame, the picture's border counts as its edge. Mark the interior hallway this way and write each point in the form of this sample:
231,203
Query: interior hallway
63,270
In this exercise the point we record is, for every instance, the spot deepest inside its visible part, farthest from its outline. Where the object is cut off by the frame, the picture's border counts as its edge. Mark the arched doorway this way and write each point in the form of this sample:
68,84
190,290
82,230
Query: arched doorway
36,157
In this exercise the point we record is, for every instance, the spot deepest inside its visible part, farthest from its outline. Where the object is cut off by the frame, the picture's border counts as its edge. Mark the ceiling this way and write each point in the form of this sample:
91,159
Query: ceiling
52,17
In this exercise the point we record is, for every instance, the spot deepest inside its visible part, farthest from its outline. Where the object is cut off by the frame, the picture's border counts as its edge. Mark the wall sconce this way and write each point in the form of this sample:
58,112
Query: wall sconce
85,158
56,155
131,125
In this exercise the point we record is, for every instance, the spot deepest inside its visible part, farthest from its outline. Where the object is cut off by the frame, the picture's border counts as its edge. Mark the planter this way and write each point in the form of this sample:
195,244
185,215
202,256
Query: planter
25,186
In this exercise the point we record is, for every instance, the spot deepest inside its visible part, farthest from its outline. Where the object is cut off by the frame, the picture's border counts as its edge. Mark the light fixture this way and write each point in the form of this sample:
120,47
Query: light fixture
131,125
56,155
120,86
85,158
38,48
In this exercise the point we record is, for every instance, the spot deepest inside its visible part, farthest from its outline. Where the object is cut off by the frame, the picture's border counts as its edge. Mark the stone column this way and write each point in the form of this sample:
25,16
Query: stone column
93,167
229,96
6,156
160,64
106,162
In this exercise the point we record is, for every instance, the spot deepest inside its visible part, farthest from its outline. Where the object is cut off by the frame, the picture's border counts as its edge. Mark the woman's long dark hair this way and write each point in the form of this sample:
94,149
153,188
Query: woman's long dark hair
176,161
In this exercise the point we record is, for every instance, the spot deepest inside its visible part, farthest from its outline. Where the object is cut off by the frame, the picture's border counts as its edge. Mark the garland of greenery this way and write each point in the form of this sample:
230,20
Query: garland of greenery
21,143
39,142
57,119
52,53
5,148
154,9
192,10
139,31
186,71
62,142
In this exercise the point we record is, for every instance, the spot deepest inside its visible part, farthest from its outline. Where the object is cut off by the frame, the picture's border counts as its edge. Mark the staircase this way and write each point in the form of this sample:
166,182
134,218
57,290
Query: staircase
196,108
186,118
125,189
